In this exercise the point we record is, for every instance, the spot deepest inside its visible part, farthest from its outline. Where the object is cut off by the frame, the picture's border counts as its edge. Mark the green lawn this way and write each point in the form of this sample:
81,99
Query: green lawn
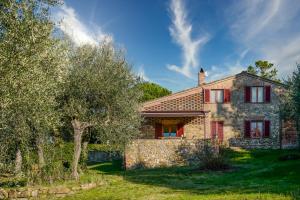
256,175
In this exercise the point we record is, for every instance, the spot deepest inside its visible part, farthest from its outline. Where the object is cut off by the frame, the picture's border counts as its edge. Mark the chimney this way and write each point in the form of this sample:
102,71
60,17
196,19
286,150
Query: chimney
201,77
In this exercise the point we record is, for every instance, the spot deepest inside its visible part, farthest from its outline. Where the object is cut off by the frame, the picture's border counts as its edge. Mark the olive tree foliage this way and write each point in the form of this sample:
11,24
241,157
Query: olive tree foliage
101,93
32,70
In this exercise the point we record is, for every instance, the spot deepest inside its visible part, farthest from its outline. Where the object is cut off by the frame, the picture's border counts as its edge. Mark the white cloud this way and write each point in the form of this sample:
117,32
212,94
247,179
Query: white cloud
80,34
270,29
218,72
228,69
141,73
181,32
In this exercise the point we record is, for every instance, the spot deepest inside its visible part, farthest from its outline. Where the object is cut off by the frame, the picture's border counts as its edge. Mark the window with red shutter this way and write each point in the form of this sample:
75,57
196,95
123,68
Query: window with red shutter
206,95
267,128
268,94
226,95
247,94
247,129
158,130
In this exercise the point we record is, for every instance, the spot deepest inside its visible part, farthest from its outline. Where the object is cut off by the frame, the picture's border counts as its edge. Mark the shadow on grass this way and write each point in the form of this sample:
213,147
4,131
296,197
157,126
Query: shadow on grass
256,171
114,167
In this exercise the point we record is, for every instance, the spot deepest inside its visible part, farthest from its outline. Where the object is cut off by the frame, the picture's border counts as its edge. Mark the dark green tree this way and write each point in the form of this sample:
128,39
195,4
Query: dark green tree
291,102
264,69
152,91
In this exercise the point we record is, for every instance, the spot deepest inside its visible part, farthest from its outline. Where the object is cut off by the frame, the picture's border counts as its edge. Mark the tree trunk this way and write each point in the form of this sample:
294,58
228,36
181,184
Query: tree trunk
78,130
40,149
18,162
85,150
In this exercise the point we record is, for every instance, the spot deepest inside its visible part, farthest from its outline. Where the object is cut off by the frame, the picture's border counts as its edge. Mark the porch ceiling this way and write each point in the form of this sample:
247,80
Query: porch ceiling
173,113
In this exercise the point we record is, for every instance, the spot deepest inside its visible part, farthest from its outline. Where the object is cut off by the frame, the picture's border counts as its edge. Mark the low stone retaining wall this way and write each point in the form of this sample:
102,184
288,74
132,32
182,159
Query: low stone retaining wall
253,143
102,156
44,192
151,153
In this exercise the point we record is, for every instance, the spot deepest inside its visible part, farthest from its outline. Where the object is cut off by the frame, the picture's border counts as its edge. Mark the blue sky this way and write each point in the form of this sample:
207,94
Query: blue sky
168,41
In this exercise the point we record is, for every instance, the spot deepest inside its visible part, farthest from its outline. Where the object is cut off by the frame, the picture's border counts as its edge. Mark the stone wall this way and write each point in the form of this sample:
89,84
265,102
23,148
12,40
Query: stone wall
103,156
254,143
44,192
152,153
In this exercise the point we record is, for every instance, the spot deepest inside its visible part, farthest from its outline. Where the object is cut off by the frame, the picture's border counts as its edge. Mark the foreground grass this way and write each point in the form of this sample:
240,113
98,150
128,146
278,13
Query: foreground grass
256,175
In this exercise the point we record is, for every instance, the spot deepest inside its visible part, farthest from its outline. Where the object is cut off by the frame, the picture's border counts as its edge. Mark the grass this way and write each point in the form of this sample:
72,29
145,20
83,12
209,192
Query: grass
257,174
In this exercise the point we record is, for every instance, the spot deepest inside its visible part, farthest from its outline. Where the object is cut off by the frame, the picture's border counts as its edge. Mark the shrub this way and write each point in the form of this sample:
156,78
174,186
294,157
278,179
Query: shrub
212,159
204,155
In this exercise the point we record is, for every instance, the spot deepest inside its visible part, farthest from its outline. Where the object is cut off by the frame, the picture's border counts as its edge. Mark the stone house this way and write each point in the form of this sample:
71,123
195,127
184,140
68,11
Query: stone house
240,110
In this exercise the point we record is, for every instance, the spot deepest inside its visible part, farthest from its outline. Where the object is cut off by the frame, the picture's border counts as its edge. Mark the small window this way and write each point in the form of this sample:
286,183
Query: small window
217,96
257,94
169,130
256,129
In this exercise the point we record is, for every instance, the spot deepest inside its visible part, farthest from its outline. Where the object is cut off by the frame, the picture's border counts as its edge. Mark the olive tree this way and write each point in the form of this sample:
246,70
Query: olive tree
32,69
101,93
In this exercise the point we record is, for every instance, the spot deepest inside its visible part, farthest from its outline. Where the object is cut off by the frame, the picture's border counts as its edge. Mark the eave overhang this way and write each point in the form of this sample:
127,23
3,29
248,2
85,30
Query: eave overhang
173,113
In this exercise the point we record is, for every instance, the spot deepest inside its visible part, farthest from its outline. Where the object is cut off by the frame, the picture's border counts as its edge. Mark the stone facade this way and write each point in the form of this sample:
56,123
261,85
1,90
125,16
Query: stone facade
233,113
151,153
237,111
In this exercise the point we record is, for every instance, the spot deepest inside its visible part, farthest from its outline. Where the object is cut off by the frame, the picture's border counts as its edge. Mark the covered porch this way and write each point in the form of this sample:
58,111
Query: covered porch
173,124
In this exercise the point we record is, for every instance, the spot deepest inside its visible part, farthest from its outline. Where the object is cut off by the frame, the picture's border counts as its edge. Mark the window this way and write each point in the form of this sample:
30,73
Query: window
257,94
216,96
256,129
169,130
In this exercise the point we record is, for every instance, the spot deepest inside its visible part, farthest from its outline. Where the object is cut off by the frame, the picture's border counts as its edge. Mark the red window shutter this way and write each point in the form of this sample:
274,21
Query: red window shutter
268,94
247,129
267,128
180,130
247,94
220,131
206,95
226,95
158,130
